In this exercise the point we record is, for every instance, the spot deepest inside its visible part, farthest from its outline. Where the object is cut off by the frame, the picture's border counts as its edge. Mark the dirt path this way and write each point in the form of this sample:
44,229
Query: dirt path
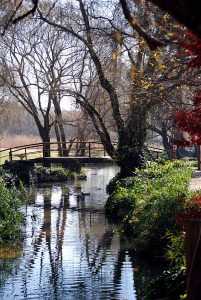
196,181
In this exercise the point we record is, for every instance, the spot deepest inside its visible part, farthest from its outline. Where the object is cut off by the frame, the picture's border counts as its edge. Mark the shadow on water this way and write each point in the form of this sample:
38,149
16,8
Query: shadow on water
70,250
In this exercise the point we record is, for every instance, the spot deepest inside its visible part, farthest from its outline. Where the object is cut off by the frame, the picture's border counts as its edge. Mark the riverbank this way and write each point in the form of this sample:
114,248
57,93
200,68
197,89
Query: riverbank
150,205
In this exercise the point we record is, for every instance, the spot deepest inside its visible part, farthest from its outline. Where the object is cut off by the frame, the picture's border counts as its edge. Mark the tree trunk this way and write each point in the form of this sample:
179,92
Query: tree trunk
130,149
45,136
166,143
58,139
81,149
44,131
63,139
81,144
46,145
131,159
59,120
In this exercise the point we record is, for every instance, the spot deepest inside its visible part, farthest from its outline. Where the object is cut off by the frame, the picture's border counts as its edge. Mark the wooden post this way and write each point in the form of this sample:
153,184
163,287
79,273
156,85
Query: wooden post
89,150
193,258
43,150
10,154
25,152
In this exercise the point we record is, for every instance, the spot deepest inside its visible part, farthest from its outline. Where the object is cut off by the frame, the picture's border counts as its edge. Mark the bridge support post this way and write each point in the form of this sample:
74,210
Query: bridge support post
10,155
46,149
25,152
89,150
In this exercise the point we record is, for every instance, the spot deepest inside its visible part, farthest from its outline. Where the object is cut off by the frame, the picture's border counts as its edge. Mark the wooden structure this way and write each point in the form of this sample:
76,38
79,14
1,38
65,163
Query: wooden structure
49,153
94,152
193,258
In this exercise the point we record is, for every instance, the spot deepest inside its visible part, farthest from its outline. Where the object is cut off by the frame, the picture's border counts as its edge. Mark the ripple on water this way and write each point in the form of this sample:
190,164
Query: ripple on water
70,251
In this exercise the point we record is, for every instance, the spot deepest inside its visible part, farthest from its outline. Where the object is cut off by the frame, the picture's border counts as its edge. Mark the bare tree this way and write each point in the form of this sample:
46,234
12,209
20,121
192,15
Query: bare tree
143,77
97,39
13,11
35,68
5,120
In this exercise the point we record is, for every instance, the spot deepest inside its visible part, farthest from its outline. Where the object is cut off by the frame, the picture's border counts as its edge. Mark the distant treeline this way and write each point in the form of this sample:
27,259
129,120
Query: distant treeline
15,120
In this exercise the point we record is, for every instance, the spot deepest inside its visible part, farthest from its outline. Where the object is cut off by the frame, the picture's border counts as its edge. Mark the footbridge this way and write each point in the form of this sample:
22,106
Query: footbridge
54,152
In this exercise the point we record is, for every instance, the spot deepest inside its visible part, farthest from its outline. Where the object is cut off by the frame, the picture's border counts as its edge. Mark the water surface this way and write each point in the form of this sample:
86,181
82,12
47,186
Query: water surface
70,250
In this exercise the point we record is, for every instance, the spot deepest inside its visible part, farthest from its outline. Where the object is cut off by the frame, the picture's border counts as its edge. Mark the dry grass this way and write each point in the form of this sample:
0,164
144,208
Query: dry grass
18,140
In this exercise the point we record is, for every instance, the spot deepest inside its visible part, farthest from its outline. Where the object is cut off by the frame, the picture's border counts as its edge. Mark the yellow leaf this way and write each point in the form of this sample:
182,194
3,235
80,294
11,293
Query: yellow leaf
153,23
133,22
170,34
157,56
114,55
161,66
118,37
132,72
146,85
166,17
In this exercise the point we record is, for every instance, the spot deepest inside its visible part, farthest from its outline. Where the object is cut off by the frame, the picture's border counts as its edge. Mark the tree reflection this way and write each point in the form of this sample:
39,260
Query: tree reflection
98,257
44,240
55,252
74,253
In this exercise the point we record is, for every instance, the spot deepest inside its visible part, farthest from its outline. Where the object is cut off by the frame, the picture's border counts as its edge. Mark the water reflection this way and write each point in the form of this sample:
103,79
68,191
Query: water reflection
71,252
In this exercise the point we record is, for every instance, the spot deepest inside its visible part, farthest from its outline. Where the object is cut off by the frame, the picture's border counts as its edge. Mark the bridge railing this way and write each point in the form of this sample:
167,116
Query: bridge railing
52,149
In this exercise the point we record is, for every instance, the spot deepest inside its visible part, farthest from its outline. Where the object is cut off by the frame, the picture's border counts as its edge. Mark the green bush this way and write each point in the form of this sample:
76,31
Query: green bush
8,178
10,216
44,174
169,285
172,282
175,252
16,171
151,199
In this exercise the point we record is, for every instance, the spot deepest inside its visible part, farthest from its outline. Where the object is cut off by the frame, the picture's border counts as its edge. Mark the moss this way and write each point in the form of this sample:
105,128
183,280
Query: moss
44,174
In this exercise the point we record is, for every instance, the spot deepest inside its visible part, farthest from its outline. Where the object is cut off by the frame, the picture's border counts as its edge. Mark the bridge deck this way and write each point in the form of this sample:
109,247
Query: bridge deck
37,153
71,159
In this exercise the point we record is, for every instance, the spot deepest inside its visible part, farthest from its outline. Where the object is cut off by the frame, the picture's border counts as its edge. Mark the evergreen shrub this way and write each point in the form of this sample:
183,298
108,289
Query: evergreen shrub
148,202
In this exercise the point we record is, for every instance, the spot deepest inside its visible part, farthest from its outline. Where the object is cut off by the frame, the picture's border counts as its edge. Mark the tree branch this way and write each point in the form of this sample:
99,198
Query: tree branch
151,42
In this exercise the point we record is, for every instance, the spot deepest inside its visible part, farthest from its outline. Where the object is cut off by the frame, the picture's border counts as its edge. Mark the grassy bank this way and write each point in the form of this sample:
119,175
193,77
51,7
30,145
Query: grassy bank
11,217
148,202
148,206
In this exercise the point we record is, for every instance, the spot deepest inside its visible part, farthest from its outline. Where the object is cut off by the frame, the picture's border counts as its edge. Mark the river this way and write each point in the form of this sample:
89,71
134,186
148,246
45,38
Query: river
70,250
